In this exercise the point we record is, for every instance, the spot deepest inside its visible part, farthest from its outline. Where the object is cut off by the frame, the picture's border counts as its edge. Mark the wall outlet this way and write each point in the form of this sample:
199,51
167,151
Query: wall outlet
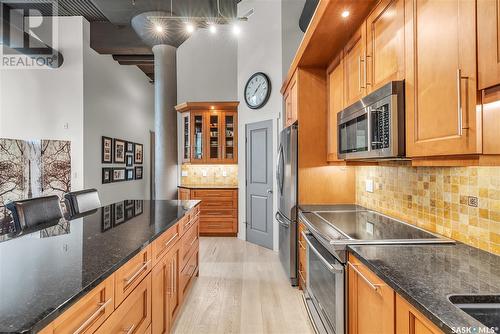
204,172
224,173
369,186
472,201
369,228
66,126
184,173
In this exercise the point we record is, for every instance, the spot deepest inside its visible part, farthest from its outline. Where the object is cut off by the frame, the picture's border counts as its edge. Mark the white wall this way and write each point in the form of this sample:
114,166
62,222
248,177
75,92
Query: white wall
259,50
207,67
89,96
290,30
118,103
38,103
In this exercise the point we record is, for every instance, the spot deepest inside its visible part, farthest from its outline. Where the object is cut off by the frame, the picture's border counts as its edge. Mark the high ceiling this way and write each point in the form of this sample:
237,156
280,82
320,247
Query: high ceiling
111,32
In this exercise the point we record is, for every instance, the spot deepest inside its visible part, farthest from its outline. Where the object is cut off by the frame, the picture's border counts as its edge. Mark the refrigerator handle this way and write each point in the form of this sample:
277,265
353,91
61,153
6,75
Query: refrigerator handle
279,169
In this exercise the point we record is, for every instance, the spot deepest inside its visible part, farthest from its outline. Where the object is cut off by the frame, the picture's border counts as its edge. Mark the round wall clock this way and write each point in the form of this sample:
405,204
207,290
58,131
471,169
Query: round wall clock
257,90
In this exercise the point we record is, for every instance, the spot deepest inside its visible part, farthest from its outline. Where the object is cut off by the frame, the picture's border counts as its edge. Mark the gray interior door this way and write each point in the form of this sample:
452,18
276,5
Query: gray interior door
259,180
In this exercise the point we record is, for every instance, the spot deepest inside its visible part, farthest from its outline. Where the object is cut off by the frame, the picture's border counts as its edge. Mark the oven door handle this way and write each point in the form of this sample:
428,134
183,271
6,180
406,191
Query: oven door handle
335,269
281,221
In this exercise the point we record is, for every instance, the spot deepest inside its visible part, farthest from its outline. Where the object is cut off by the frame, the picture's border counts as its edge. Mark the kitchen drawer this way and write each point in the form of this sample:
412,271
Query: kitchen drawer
218,225
199,193
189,271
88,313
190,241
134,314
164,243
216,213
219,203
128,276
191,218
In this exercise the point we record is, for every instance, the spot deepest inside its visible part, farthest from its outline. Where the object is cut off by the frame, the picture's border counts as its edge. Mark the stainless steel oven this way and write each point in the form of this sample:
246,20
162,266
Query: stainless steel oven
373,127
325,286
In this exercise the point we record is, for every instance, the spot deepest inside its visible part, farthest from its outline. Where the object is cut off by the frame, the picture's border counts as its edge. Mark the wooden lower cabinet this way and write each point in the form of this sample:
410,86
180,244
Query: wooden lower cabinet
89,313
373,307
166,297
140,297
371,301
134,314
183,194
218,211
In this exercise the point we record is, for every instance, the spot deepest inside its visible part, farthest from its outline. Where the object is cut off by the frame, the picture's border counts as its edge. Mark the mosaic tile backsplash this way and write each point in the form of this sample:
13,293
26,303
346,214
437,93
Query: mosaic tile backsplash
459,203
214,175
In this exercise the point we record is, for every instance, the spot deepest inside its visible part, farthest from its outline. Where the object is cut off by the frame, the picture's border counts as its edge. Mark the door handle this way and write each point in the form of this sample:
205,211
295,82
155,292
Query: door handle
269,191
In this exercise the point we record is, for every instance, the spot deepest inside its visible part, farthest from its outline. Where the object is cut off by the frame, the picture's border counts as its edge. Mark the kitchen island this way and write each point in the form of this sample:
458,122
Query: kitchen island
49,273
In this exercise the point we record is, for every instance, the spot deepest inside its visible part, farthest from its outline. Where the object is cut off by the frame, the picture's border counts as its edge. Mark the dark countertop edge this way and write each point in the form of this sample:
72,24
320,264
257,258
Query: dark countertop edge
420,307
207,187
41,324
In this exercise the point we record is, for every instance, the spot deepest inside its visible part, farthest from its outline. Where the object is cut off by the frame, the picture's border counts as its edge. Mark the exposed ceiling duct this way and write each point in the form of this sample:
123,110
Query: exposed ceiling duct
307,14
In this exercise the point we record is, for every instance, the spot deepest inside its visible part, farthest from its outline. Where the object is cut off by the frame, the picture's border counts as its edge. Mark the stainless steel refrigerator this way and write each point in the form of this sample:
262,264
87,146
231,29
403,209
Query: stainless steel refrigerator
286,216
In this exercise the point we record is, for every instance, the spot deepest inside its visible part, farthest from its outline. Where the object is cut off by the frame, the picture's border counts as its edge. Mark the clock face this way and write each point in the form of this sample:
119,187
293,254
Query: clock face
257,90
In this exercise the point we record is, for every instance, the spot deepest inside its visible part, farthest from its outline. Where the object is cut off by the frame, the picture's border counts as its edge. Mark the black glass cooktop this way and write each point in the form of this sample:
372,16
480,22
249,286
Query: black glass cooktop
370,225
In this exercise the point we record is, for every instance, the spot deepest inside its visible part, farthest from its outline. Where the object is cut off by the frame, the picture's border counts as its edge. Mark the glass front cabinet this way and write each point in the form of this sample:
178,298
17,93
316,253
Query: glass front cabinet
209,132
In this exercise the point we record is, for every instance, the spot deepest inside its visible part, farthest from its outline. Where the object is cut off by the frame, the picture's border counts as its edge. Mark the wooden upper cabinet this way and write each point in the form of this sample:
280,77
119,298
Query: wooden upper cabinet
410,321
291,101
371,301
440,78
198,134
355,67
335,105
488,42
186,137
385,44
230,137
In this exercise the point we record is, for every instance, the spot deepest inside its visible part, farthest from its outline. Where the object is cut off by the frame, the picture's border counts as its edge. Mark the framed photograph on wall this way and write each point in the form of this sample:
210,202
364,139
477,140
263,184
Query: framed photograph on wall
138,173
118,174
106,218
107,150
106,175
129,174
129,147
119,213
138,154
119,151
130,160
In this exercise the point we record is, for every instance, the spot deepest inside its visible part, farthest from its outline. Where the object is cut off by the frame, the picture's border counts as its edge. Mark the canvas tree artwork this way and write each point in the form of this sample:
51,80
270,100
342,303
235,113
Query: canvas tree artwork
33,168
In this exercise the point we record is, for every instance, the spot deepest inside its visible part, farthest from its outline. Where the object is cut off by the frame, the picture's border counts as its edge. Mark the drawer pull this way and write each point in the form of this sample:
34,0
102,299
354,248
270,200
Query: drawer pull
374,286
171,239
192,242
94,315
130,330
137,273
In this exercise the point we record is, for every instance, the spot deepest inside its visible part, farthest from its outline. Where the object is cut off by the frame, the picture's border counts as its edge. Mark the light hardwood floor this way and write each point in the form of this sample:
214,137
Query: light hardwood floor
242,288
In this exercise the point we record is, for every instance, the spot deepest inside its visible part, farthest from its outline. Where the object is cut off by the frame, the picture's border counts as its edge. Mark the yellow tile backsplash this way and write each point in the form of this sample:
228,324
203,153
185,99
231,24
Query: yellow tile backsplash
437,199
214,175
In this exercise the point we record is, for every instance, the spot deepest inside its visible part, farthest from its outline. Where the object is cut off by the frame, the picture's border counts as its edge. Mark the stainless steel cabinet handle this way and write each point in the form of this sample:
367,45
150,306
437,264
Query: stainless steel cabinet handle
459,101
130,330
374,286
359,72
137,273
171,239
333,268
94,315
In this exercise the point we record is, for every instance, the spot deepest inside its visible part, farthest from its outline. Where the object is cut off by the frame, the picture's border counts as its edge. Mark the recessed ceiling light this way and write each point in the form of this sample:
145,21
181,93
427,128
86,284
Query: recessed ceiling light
189,28
345,13
212,107
212,28
158,28
236,30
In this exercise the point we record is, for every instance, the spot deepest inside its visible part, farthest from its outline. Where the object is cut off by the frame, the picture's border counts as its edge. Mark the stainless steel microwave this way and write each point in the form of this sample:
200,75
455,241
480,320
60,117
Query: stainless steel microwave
374,127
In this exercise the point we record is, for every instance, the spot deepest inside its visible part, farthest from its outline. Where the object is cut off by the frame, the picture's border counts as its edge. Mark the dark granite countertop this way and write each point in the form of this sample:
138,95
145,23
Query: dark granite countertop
45,272
207,186
425,275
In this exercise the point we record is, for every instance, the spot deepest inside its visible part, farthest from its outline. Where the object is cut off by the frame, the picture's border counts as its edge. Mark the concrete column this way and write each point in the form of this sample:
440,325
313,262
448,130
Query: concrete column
165,122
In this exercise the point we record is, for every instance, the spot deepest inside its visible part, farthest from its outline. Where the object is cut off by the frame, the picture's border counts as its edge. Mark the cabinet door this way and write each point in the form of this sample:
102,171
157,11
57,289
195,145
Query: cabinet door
355,67
440,78
184,194
371,301
174,298
230,138
213,140
410,321
488,42
385,44
291,101
186,138
198,137
161,285
335,105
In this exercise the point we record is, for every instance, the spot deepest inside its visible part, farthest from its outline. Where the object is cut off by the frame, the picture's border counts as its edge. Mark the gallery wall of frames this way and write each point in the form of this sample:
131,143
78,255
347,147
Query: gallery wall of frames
121,152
